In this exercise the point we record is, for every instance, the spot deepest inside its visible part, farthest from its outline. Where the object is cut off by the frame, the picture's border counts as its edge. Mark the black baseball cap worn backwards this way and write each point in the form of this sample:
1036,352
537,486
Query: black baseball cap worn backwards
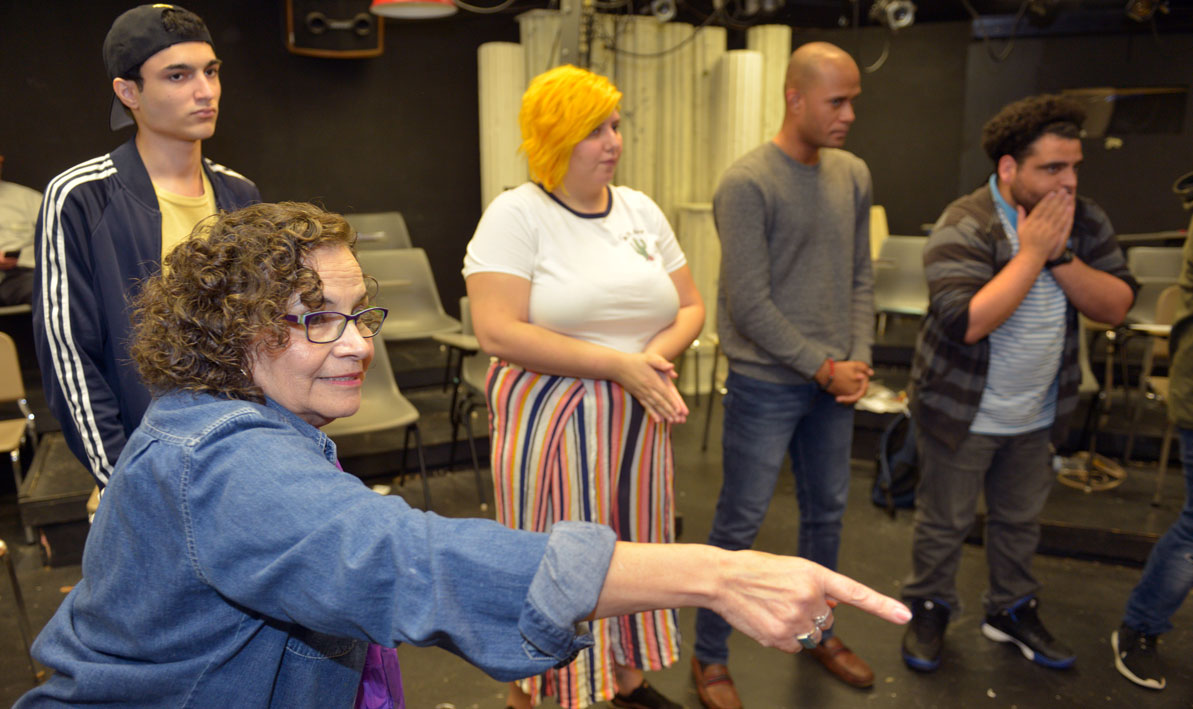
137,35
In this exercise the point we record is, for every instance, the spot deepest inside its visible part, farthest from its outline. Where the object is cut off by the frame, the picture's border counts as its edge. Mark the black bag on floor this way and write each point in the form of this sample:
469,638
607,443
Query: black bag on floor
897,468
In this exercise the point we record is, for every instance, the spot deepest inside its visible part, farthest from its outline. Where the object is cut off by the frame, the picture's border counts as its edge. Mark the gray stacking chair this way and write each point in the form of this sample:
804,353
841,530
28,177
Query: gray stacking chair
383,411
900,287
1156,268
380,230
14,433
407,288
468,386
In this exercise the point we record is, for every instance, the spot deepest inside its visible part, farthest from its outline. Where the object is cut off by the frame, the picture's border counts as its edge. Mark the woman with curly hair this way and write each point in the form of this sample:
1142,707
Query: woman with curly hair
581,290
232,563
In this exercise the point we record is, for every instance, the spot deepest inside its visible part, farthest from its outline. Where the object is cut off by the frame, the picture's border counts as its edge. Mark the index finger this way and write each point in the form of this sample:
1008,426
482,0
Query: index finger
845,590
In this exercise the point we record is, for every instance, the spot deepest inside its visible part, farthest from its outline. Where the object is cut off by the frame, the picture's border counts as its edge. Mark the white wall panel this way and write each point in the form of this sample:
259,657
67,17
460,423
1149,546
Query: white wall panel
676,133
707,49
737,106
773,42
500,84
638,78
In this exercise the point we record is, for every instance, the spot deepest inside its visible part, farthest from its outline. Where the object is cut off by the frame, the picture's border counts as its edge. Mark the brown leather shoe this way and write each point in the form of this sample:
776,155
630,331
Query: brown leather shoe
842,662
715,686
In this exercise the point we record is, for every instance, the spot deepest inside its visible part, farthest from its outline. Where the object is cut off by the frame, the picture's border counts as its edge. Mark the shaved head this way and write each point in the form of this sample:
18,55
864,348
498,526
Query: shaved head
809,63
821,86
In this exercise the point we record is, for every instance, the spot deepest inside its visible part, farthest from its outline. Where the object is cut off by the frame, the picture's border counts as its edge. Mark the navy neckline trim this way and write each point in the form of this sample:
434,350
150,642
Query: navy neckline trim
582,215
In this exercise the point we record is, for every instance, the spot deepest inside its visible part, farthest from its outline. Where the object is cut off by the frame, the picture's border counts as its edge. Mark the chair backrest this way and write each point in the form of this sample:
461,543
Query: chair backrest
1166,304
12,388
1155,261
380,230
899,281
466,316
1147,299
879,231
382,404
407,288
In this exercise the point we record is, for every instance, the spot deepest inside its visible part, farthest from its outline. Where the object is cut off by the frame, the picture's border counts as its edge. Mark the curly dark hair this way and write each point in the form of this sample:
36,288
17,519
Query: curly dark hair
224,290
1018,125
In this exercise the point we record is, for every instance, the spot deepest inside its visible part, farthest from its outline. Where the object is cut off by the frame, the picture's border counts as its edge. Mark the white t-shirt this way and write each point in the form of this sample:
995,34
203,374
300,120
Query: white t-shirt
18,218
600,278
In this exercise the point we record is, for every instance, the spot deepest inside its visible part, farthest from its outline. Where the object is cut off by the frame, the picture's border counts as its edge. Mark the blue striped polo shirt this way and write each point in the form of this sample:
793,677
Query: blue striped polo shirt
1025,352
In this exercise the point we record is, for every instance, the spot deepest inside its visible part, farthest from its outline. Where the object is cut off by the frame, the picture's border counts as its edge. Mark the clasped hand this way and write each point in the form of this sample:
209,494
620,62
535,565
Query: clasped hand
850,380
649,378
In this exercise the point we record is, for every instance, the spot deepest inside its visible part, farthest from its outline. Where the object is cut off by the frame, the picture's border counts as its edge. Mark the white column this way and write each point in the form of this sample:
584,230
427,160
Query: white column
500,84
697,236
676,134
538,32
737,101
638,79
707,49
773,42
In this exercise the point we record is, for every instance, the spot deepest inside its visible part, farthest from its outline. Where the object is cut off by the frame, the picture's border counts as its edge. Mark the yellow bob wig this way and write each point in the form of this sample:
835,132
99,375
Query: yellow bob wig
559,109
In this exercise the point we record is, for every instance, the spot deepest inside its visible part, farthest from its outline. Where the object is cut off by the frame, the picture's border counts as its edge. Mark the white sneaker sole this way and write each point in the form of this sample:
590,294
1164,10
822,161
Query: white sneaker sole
1126,672
998,636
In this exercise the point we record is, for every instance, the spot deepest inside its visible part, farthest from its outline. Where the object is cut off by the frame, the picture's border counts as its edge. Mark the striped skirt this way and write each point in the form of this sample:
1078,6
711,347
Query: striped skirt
580,449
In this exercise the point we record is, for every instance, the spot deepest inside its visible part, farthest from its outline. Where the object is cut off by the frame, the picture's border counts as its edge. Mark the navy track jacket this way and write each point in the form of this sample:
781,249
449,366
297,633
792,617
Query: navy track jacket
99,235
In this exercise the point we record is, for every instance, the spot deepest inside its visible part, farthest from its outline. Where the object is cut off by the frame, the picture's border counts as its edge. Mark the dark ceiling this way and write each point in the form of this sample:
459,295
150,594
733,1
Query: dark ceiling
997,16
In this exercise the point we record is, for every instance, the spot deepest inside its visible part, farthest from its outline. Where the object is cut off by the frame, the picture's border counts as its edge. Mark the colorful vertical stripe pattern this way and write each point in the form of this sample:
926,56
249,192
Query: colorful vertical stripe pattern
580,449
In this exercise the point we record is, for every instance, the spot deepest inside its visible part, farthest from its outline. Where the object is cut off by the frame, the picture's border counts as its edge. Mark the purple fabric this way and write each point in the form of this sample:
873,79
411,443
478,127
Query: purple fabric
381,678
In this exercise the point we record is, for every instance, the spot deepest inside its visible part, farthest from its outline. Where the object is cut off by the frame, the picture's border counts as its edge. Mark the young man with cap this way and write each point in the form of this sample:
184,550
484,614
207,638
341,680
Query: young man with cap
105,224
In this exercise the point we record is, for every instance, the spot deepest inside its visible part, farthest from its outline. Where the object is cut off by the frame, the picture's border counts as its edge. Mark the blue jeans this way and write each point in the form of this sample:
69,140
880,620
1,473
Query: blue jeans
1168,576
764,422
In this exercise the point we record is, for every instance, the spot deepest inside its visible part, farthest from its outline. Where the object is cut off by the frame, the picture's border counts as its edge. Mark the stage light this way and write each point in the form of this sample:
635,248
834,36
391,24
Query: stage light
413,9
1144,10
895,14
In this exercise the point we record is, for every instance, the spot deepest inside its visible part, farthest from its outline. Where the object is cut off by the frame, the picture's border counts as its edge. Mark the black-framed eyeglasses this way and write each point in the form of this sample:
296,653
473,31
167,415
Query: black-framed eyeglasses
326,326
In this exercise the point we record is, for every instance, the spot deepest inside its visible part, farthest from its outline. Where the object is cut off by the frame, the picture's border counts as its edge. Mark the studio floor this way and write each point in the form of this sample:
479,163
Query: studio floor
1082,601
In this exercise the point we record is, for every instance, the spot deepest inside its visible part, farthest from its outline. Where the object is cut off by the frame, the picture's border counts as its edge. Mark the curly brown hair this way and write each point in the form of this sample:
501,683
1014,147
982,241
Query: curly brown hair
224,290
1014,129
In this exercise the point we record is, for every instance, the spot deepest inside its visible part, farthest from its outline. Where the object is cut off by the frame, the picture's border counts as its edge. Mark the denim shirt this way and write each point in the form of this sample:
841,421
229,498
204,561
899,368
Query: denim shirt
232,564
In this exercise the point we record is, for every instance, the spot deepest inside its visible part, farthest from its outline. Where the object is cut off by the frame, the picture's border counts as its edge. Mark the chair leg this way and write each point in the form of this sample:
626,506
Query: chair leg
447,366
405,447
454,415
712,390
19,477
1162,466
422,465
476,466
1131,431
22,613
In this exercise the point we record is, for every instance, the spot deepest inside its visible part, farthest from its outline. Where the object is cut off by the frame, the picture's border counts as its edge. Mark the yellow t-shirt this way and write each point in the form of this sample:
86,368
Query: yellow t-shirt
180,214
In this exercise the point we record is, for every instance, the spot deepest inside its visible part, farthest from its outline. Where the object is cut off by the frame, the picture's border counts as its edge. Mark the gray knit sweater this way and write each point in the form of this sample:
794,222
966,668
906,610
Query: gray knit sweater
796,280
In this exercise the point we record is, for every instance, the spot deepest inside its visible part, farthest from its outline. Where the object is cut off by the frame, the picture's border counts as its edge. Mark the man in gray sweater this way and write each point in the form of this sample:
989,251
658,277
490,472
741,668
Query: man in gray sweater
796,320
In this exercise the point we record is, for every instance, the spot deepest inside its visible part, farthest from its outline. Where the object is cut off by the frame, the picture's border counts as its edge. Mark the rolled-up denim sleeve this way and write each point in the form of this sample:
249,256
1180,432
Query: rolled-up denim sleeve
565,590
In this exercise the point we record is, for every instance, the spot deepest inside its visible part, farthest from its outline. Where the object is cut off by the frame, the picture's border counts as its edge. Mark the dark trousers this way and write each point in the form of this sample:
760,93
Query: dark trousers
16,286
1015,475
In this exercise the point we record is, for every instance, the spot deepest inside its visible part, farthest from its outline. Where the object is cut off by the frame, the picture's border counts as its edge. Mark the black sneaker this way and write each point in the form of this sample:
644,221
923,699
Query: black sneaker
1135,657
644,697
924,639
1019,624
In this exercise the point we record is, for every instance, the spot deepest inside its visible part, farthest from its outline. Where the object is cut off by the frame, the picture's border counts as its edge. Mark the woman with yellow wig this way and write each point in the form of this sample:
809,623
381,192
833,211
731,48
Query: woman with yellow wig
581,291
